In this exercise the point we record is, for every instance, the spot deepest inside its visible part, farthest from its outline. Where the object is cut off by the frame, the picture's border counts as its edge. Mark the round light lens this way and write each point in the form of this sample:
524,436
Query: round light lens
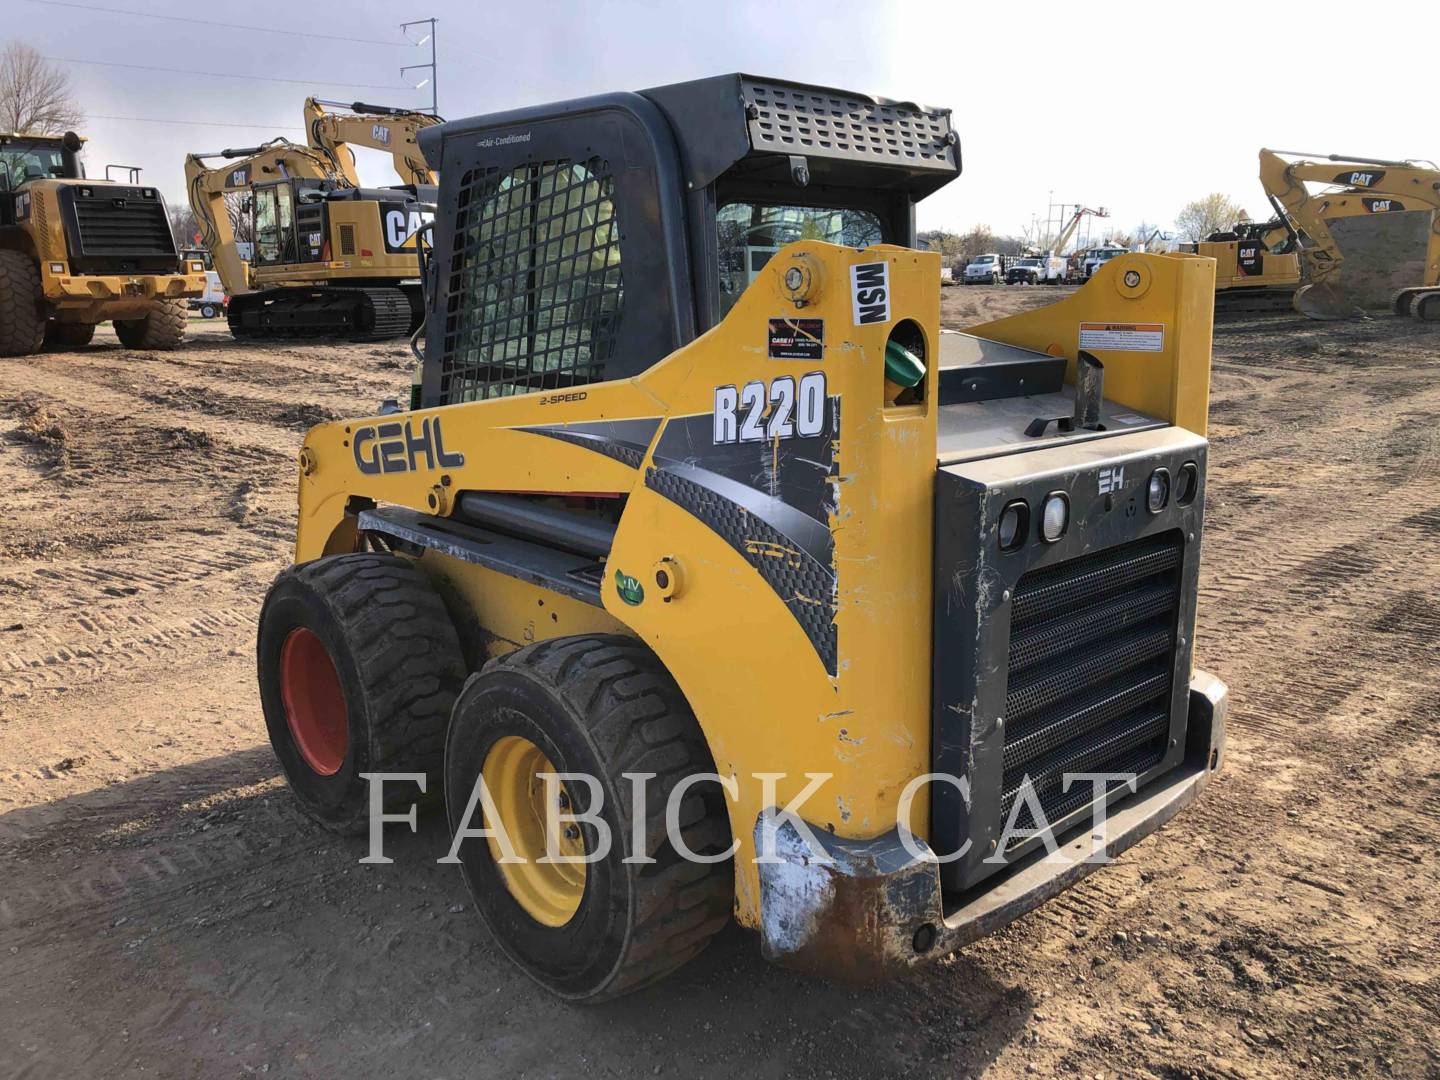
1013,521
1054,516
1187,483
1157,495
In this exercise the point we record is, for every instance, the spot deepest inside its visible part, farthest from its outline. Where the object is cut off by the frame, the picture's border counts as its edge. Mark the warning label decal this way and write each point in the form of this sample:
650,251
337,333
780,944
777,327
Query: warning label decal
1123,337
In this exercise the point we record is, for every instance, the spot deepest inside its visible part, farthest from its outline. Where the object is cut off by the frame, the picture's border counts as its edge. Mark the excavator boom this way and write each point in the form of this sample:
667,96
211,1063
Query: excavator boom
379,127
1367,186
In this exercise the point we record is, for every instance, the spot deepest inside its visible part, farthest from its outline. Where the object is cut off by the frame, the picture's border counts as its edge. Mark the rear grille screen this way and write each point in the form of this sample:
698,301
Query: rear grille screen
534,287
122,223
800,120
1091,664
347,239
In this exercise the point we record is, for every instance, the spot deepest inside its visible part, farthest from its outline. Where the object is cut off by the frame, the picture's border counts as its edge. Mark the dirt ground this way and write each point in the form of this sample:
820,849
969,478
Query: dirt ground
165,911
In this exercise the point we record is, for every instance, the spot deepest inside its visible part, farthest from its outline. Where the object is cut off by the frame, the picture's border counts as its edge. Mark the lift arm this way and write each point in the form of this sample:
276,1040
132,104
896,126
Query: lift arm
1074,224
1367,186
207,187
376,126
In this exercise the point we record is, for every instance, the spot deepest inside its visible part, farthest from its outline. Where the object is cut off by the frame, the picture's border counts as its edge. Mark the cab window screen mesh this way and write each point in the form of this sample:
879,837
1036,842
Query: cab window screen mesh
534,292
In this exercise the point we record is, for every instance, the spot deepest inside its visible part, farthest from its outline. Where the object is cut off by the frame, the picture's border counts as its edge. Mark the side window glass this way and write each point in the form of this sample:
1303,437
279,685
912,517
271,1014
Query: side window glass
267,227
750,233
534,293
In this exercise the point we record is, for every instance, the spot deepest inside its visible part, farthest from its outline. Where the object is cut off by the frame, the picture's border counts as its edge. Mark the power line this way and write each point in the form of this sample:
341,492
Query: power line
194,123
226,75
210,22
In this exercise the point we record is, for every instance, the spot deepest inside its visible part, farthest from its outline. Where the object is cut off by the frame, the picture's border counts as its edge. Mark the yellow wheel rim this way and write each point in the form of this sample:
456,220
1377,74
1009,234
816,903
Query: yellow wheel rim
550,892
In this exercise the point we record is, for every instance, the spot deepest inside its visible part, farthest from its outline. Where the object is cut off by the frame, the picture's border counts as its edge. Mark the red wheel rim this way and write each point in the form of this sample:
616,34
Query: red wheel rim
314,702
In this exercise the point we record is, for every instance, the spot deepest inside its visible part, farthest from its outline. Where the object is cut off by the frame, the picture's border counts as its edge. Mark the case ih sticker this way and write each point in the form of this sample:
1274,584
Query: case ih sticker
870,292
797,339
794,410
1123,337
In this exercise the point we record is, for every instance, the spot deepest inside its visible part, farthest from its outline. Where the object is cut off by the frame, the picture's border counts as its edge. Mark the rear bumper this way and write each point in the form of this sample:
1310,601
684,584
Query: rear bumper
865,910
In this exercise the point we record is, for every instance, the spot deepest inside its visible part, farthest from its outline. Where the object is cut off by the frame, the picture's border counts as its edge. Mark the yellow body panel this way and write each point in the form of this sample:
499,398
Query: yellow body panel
1174,291
92,298
1279,270
764,698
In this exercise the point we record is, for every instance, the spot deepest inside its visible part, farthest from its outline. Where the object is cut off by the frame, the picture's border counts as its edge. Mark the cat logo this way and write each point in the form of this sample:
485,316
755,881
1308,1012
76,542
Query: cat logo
1112,479
1360,179
396,448
1380,206
239,177
380,133
400,226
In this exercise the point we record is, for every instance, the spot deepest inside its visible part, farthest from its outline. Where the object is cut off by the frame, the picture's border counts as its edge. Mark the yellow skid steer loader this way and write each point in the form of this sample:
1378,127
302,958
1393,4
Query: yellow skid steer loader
713,578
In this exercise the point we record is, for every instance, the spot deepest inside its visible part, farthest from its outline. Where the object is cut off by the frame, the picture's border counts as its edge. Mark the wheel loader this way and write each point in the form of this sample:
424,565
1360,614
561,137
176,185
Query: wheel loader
76,252
713,579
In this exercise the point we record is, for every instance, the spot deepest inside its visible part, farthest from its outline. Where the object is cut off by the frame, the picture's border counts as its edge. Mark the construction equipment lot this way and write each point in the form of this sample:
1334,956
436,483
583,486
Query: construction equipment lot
166,909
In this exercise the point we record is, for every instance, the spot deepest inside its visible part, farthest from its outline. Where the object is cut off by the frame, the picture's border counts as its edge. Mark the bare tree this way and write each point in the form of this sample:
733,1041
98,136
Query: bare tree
35,96
1213,213
183,224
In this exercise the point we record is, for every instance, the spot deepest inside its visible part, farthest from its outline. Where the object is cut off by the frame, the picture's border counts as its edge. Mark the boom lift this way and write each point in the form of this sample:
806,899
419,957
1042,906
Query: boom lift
1067,233
1365,186
760,541
379,127
330,259
75,252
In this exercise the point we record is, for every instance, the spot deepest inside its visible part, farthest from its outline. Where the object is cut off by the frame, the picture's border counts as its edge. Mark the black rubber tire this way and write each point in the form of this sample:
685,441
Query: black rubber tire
208,311
603,705
398,660
68,335
163,328
22,315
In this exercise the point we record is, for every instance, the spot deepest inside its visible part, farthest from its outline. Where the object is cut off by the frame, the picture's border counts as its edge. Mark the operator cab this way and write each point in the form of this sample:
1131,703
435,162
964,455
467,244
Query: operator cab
587,240
24,158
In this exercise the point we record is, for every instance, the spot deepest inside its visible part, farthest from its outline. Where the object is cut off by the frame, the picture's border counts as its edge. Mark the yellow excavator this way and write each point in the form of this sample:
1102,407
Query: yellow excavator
1358,187
380,127
1257,265
329,258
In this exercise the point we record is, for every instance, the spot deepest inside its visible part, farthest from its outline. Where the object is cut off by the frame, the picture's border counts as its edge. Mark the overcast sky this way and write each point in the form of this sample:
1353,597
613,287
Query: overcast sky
1139,107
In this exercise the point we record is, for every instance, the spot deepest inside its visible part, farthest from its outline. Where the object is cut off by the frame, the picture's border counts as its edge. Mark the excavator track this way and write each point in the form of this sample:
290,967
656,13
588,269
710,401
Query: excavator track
1246,301
332,311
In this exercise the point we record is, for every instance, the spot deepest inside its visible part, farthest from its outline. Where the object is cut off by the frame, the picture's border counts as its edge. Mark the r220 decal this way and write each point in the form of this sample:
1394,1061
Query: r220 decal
796,409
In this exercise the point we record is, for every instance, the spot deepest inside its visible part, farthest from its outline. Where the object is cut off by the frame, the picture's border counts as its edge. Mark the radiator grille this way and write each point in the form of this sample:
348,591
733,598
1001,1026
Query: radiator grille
347,239
1091,664
121,222
534,288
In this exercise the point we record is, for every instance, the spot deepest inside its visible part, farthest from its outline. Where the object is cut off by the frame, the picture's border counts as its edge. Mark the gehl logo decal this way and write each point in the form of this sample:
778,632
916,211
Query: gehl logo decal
1112,479
395,448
